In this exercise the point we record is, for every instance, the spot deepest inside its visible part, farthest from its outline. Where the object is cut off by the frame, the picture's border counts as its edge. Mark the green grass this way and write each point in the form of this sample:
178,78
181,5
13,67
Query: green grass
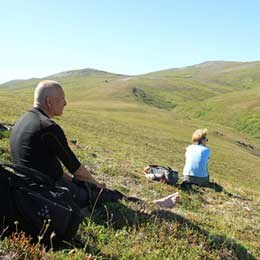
118,133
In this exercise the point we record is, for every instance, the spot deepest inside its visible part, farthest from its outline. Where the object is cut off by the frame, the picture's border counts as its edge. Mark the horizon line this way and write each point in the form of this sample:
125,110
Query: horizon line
121,74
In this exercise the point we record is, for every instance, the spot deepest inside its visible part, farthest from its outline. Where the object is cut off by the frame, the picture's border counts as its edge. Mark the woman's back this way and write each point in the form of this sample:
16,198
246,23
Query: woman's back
197,156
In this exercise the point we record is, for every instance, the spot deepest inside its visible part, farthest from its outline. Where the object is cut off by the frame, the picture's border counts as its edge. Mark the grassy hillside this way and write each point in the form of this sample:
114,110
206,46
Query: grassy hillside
123,123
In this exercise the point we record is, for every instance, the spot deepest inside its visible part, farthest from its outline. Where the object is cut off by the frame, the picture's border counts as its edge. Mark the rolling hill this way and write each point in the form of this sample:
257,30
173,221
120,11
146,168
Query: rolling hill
122,123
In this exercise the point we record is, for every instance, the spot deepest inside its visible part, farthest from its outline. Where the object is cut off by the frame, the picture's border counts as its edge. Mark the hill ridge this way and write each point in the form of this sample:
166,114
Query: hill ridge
82,72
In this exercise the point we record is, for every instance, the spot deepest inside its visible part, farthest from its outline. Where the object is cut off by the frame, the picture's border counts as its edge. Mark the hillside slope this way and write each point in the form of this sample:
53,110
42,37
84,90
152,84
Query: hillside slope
120,124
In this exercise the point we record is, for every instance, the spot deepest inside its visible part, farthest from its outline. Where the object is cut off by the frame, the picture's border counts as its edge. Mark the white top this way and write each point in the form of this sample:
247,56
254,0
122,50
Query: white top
196,164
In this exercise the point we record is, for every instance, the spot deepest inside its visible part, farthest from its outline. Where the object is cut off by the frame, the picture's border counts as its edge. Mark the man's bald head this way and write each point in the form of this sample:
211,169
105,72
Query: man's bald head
49,96
45,88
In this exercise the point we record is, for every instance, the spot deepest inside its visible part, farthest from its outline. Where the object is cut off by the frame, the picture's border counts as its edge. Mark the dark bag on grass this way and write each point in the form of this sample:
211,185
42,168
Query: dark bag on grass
38,207
161,173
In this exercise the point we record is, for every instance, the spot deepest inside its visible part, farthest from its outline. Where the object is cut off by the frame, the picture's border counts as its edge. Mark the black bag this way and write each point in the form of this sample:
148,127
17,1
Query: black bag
39,207
161,173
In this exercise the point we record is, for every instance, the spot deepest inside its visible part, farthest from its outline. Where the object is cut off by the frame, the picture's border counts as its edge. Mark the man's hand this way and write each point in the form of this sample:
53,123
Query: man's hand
85,174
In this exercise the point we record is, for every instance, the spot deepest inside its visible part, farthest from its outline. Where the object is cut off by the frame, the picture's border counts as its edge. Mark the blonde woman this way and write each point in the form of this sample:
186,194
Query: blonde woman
197,155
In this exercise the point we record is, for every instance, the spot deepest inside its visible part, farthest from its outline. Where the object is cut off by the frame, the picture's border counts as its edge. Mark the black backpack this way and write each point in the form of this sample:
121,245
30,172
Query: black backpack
31,200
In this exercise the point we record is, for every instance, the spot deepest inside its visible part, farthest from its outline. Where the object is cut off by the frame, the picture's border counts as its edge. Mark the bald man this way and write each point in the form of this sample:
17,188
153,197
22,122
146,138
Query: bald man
38,142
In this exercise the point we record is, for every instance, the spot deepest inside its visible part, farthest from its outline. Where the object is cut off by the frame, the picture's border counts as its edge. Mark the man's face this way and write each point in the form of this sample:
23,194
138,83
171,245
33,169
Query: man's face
58,103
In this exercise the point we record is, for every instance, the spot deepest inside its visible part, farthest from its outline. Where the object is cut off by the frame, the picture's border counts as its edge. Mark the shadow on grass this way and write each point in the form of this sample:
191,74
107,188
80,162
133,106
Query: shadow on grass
219,242
117,216
195,188
21,245
191,188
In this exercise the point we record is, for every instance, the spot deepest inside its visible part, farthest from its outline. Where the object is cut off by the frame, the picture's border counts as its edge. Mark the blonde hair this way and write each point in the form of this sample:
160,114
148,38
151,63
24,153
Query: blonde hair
45,88
199,135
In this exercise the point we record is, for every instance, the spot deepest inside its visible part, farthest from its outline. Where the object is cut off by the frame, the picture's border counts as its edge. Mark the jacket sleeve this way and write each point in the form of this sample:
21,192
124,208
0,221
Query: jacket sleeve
57,143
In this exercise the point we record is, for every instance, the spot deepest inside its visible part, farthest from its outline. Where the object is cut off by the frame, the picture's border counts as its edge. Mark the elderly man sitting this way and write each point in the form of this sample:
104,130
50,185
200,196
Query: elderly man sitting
38,142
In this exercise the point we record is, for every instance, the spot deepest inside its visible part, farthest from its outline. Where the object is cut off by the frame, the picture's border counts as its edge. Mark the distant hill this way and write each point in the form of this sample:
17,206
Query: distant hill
204,91
234,75
82,72
17,83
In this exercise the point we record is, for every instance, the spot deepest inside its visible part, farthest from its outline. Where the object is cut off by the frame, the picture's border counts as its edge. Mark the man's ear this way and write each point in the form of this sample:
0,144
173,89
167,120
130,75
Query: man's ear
48,102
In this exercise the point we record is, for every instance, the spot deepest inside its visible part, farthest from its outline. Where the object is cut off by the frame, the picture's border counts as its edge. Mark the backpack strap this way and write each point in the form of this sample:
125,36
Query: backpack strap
23,171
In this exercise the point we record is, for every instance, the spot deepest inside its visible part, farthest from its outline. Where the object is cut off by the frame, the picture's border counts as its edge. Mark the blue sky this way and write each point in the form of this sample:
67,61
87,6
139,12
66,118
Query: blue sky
39,38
